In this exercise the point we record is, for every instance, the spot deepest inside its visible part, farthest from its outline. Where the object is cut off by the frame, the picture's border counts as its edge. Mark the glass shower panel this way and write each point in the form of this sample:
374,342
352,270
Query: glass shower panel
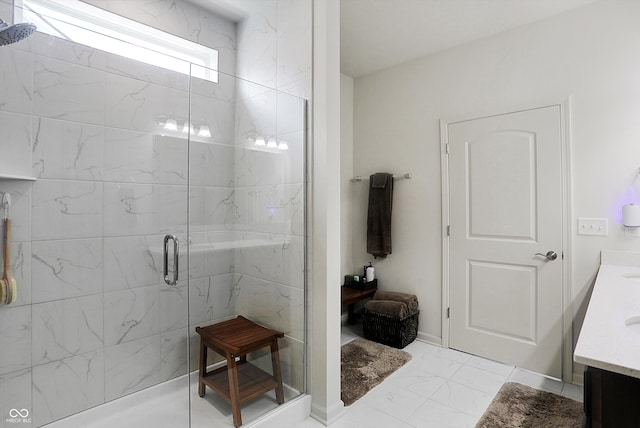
246,236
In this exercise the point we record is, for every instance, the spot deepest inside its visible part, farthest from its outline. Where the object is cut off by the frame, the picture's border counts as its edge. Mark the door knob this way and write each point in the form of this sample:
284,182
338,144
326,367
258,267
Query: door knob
551,255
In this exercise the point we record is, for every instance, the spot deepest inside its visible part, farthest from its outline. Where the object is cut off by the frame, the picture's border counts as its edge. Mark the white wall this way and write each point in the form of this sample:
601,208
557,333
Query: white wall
590,54
346,173
324,216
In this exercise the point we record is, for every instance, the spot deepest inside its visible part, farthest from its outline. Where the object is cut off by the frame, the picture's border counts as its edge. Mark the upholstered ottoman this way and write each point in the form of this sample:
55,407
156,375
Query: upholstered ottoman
391,318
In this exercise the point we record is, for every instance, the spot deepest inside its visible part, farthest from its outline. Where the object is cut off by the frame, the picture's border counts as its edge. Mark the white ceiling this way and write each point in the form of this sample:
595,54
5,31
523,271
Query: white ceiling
376,34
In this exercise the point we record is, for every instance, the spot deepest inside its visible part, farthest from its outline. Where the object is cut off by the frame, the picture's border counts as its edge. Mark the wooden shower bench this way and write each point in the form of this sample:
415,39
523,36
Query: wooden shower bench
239,381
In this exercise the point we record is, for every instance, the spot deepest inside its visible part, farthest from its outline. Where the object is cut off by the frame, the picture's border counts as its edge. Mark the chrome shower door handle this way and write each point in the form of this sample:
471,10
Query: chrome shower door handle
167,278
551,255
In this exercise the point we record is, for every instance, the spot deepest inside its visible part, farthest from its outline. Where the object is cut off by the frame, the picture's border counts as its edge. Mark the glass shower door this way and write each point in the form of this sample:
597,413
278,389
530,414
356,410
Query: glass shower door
246,233
103,339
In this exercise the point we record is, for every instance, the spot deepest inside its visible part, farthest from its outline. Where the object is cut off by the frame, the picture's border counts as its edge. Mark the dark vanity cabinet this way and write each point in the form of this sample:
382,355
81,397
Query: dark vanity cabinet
611,400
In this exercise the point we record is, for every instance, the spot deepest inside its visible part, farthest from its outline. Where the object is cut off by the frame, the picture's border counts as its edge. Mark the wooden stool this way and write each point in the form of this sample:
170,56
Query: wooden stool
239,381
351,296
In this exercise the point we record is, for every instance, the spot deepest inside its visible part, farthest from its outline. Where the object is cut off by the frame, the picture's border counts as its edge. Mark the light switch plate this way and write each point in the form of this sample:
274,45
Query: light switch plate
593,226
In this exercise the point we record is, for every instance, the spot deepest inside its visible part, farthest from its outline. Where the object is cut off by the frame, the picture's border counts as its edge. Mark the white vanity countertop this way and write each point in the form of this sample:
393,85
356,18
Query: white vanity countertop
605,341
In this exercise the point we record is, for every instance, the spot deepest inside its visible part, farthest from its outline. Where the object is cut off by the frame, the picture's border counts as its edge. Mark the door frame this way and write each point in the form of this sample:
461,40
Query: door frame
567,306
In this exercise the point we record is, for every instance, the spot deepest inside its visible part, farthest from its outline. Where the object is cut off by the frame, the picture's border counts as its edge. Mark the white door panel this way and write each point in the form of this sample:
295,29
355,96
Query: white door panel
502,170
505,289
506,206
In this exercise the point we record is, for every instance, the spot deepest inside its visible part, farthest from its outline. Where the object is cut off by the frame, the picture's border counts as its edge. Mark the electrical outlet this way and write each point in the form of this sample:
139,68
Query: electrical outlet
593,226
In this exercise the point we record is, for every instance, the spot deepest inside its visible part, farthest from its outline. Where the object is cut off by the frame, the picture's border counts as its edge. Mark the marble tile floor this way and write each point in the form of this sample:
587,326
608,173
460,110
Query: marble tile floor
437,388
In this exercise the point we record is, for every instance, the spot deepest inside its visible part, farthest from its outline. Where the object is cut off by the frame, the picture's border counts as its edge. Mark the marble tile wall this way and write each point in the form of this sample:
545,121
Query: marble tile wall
273,45
269,191
268,203
93,313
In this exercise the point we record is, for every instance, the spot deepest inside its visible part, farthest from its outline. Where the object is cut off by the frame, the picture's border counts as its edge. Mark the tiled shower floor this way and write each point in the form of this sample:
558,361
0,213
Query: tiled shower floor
437,388
164,406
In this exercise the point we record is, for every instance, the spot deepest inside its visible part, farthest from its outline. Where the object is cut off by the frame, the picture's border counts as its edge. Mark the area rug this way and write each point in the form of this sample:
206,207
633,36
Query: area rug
364,364
519,406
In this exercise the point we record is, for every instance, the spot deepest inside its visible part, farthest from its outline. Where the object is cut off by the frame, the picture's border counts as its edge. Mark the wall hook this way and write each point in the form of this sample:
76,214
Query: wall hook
6,204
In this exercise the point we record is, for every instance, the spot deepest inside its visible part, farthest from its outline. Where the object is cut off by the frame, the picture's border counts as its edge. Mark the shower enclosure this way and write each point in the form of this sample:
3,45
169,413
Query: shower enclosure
106,159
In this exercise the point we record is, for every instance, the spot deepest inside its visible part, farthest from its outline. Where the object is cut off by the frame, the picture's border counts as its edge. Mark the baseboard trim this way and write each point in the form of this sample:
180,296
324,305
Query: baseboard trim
430,339
327,415
578,379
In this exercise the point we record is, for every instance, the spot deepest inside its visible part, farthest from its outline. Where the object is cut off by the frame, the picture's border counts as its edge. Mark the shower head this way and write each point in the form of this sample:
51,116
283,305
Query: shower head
14,33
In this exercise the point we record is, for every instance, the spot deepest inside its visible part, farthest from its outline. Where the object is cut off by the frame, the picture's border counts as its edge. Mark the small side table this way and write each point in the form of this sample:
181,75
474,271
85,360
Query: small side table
239,381
351,296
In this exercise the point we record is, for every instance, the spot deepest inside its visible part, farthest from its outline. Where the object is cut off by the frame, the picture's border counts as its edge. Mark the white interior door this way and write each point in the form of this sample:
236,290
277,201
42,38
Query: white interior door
505,182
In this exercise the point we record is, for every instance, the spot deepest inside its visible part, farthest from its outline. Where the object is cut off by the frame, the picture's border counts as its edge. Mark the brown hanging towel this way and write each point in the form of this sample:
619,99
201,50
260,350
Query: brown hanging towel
379,214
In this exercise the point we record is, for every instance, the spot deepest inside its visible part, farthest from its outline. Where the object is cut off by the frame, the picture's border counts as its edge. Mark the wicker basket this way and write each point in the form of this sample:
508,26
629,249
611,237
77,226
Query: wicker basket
390,330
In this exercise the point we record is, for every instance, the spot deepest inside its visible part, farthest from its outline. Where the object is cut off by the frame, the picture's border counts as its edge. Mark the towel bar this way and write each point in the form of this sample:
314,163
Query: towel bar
405,176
